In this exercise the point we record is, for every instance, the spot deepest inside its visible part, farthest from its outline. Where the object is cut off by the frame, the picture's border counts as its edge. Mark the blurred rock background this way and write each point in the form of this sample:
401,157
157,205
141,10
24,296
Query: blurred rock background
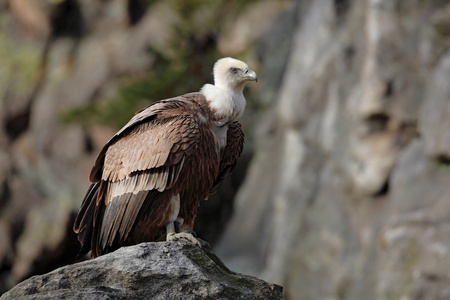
347,194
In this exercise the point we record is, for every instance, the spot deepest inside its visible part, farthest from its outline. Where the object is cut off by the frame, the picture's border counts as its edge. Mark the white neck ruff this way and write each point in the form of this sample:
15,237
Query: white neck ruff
225,104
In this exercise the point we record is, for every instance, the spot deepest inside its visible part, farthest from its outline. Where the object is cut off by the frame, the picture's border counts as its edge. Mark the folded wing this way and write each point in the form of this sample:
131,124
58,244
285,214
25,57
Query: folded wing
142,160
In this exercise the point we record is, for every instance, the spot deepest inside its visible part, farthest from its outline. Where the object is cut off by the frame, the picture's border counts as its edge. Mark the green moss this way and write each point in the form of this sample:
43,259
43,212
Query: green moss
185,68
166,80
20,64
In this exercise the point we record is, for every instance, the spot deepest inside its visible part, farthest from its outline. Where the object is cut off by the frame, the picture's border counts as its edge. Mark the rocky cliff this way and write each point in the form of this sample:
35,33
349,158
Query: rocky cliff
348,195
169,270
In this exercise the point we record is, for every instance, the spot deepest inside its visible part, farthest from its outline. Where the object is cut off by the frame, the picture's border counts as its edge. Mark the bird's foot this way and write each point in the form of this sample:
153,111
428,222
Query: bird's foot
188,235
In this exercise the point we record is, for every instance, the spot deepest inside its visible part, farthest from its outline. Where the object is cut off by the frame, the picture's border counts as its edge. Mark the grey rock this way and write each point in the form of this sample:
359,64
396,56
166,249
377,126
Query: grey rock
343,198
414,247
435,112
166,270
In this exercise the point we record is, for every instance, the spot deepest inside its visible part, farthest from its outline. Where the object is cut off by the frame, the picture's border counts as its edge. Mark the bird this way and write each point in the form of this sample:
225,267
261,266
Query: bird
150,177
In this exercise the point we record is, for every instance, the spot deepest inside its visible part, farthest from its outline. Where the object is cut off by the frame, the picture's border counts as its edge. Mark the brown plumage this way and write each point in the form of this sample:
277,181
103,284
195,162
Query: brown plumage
154,172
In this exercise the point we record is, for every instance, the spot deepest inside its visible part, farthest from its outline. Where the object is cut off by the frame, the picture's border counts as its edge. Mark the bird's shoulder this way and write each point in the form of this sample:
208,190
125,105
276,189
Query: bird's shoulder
193,104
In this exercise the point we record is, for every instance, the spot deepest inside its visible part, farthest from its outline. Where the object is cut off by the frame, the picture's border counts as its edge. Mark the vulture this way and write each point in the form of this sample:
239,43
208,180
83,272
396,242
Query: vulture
148,180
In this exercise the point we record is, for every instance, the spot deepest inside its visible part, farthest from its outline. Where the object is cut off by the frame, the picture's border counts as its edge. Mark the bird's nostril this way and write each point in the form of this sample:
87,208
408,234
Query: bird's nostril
246,71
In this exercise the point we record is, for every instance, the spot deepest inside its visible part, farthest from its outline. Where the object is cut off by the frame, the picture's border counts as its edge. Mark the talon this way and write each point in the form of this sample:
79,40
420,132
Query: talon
205,244
172,236
194,234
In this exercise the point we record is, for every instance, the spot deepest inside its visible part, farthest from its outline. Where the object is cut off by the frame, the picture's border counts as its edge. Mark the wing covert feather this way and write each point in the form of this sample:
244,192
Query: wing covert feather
151,145
153,114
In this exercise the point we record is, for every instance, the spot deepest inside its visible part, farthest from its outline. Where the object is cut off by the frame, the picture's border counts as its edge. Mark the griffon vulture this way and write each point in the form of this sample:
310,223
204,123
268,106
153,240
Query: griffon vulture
149,179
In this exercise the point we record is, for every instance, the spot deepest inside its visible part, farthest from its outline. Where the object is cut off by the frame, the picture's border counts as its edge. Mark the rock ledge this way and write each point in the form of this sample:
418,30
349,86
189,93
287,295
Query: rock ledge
166,270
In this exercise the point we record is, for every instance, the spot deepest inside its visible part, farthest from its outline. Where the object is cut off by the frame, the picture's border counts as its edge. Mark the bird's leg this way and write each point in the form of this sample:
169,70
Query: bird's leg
178,223
172,235
174,226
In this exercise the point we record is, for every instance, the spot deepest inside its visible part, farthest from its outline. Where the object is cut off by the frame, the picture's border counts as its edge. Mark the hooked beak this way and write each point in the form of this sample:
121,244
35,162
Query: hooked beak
250,75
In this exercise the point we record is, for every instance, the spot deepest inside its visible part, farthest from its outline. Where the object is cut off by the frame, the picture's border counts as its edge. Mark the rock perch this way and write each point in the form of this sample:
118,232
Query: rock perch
166,270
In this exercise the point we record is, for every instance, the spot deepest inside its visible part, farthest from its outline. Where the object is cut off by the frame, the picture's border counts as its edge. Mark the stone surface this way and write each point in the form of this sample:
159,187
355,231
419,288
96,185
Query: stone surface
414,249
347,196
168,270
435,111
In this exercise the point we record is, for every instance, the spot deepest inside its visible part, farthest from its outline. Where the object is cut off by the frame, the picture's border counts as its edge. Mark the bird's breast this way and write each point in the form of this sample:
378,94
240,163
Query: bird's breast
219,131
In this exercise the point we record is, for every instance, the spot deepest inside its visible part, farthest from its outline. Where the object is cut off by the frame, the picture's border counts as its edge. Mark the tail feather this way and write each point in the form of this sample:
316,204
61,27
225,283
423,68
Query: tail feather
104,228
84,221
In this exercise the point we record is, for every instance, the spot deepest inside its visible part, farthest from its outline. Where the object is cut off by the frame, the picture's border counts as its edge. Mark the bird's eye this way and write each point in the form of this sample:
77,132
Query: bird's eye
234,70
